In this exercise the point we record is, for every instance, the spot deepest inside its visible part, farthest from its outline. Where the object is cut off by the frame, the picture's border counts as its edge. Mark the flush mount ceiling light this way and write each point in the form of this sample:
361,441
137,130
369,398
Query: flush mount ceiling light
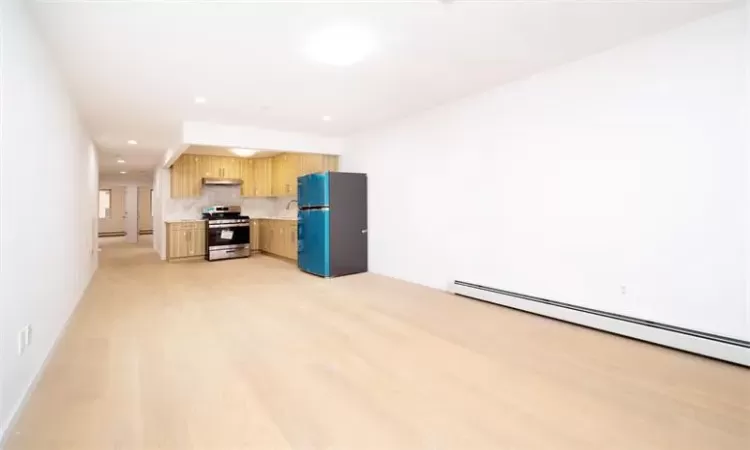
341,45
132,142
120,161
244,152
123,172
200,100
327,118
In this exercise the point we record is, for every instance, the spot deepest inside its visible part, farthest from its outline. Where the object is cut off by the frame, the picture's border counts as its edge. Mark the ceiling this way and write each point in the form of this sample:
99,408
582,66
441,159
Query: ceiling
134,68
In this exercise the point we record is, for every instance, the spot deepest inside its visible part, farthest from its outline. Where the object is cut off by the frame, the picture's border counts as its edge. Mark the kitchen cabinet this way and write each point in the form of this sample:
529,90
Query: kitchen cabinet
261,177
185,178
248,178
314,163
285,172
290,246
262,174
278,237
265,235
207,168
228,167
220,166
255,235
186,239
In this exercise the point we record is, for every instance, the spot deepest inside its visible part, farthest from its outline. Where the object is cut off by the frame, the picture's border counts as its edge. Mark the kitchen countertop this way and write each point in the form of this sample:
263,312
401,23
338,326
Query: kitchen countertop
184,220
274,218
252,218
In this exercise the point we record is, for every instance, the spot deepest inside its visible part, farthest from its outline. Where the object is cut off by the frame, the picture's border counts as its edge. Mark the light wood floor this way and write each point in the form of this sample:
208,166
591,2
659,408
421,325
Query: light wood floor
252,354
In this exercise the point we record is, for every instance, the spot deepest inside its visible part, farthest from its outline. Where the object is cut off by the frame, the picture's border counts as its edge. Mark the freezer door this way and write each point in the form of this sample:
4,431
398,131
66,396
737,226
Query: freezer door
313,246
312,190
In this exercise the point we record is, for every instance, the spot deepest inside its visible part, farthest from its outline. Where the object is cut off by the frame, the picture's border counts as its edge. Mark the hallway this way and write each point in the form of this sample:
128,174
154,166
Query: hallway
253,354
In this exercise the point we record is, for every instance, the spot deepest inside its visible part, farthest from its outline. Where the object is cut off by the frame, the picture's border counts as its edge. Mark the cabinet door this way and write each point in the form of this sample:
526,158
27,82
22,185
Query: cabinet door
177,180
271,238
207,166
185,178
178,241
254,236
189,244
193,175
199,241
172,249
280,244
218,166
248,178
293,162
277,175
330,163
231,167
310,163
264,235
292,238
262,168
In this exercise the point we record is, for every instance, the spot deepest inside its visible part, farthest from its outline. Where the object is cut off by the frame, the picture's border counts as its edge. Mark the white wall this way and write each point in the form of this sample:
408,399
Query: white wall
47,254
627,168
161,196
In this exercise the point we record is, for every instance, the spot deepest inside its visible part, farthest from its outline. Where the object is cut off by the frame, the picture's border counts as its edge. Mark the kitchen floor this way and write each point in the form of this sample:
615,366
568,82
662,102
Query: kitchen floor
253,354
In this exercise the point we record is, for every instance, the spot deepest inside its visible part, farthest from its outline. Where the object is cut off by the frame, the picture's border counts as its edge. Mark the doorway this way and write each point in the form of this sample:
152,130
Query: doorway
145,211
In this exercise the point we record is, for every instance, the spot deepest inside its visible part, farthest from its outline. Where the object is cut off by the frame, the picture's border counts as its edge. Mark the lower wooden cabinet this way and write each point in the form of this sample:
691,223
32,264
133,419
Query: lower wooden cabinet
278,237
273,236
255,235
186,239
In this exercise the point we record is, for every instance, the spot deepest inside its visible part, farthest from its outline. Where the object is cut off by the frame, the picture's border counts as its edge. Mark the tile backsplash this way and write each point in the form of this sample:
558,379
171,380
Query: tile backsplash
190,208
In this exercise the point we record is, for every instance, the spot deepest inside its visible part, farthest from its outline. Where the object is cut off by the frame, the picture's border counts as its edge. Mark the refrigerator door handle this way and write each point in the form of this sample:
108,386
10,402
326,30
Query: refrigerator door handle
300,239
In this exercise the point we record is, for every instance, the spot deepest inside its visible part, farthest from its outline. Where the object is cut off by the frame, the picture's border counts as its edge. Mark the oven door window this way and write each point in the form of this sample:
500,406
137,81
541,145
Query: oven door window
230,235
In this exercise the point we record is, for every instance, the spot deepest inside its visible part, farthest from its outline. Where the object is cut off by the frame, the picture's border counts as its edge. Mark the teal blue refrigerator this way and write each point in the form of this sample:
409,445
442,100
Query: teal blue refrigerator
332,223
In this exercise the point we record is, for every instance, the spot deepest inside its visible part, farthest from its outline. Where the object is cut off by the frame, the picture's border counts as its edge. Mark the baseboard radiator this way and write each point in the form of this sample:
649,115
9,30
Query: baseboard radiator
711,345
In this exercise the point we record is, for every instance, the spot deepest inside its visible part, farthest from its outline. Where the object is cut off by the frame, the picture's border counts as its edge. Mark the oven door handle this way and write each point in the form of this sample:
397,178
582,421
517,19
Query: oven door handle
229,225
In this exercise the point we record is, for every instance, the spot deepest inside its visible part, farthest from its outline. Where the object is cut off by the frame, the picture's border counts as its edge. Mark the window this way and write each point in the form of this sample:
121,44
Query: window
105,202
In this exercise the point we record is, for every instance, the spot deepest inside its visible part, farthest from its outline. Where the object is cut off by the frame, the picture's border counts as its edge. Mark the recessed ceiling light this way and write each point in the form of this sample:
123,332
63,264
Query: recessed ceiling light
342,45
327,118
244,152
120,161
123,172
200,100
132,142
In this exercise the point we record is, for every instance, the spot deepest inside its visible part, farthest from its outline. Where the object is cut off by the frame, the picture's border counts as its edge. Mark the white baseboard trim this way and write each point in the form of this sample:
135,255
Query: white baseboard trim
718,347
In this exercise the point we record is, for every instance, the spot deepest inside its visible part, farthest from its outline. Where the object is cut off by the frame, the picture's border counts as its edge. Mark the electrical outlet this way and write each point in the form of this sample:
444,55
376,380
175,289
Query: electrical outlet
27,335
623,290
21,341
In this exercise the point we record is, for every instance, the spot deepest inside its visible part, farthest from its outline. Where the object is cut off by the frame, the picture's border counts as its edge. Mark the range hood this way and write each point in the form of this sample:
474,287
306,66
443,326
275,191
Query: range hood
221,181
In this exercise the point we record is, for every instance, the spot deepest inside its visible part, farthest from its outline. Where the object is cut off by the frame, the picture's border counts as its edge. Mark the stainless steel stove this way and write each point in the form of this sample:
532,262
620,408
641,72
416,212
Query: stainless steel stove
227,233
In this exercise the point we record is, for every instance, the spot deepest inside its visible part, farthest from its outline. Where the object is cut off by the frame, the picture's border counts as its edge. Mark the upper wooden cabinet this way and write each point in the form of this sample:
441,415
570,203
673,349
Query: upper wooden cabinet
185,178
248,178
220,166
313,163
262,173
286,169
274,176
